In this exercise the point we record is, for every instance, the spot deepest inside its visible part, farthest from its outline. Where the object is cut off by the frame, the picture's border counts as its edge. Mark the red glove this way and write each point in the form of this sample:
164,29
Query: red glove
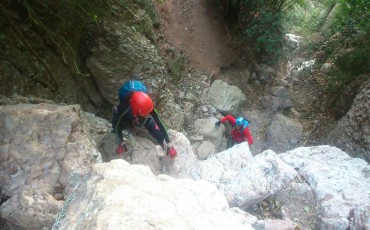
121,149
171,152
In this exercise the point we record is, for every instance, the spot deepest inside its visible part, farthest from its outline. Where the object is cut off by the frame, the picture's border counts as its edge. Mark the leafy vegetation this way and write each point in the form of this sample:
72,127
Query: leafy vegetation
355,14
260,24
268,43
343,27
263,23
352,23
307,17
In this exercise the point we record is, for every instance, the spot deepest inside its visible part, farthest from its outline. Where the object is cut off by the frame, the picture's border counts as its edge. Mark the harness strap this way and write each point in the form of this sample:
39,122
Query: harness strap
119,121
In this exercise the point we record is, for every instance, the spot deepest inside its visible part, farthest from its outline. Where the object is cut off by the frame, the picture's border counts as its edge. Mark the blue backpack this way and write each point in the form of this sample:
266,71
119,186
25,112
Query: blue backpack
131,86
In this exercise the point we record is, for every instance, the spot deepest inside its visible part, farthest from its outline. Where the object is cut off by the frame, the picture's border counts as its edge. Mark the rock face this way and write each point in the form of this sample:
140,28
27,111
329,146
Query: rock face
115,53
273,131
117,195
47,154
226,98
259,122
277,99
141,150
82,61
352,132
44,150
283,134
205,150
246,180
185,165
261,178
345,100
341,185
170,112
43,61
23,209
206,128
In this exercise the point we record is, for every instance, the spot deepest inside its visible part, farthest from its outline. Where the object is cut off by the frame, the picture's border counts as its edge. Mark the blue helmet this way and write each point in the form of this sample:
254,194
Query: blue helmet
131,86
240,121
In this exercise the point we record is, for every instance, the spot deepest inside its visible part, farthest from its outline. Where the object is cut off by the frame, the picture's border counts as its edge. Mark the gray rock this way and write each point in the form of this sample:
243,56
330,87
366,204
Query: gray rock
341,185
279,82
123,196
212,110
30,208
277,99
206,149
206,128
259,121
185,165
196,138
283,134
221,168
43,147
188,113
261,177
265,73
128,52
170,112
226,98
352,132
271,103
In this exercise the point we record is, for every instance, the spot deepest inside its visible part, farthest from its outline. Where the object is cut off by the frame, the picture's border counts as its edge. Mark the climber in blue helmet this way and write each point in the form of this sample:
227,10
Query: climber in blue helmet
240,132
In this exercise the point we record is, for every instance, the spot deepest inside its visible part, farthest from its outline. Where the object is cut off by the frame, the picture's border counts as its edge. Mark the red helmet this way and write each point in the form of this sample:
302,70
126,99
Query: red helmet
141,104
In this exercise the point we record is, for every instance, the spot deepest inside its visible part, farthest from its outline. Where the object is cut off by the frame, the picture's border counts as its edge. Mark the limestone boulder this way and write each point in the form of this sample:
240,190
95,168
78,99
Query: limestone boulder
117,195
117,54
206,128
283,134
226,98
205,150
45,150
352,132
262,177
244,179
185,165
259,121
341,185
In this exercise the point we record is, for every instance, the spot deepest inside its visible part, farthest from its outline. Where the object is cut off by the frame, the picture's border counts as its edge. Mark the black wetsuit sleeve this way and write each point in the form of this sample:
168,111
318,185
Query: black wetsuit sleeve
160,124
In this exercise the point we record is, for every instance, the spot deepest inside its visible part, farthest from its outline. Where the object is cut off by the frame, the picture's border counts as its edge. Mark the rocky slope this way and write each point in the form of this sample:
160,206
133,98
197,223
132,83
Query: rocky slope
104,50
52,175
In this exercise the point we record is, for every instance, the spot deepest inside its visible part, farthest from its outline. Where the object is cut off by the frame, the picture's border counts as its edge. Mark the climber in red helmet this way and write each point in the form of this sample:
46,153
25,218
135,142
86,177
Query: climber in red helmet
138,108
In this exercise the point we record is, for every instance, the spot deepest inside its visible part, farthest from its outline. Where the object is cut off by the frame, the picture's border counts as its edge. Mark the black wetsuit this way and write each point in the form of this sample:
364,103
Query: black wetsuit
124,119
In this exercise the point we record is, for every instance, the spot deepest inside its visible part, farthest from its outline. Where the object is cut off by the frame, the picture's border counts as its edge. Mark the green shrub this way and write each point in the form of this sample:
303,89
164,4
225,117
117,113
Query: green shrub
353,13
354,63
260,24
265,33
305,18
